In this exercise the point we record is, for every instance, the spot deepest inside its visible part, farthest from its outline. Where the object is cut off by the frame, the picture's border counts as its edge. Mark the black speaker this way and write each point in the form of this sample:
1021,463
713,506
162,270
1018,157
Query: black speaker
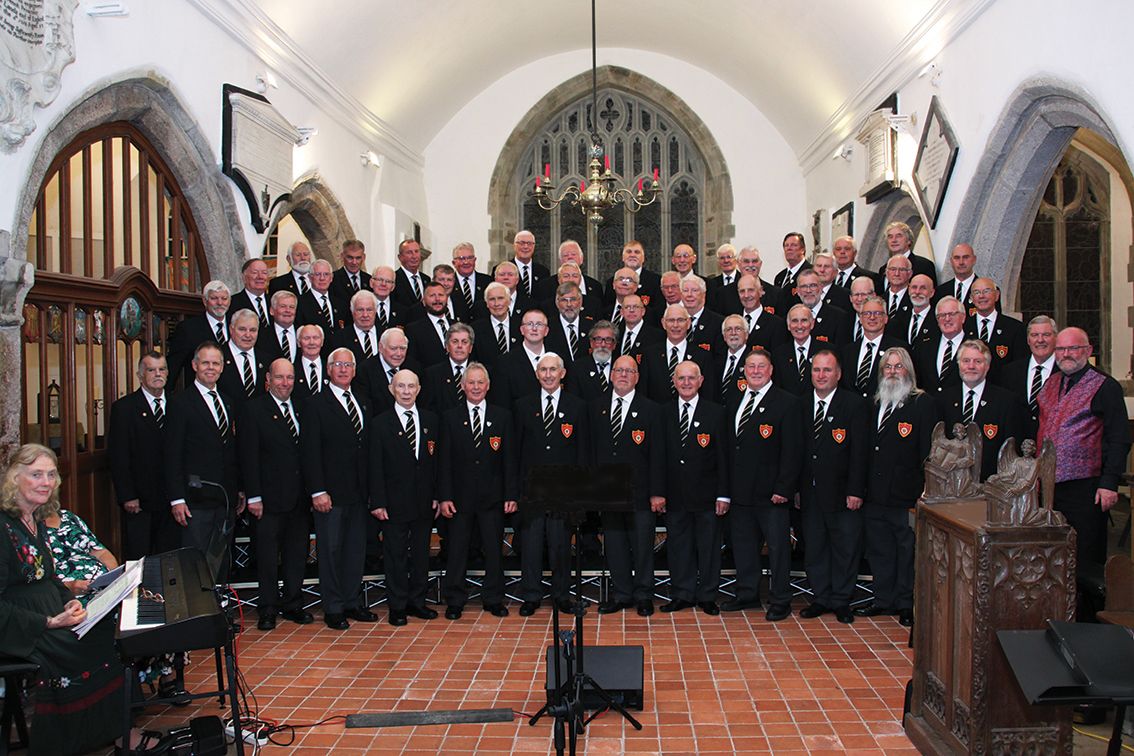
616,669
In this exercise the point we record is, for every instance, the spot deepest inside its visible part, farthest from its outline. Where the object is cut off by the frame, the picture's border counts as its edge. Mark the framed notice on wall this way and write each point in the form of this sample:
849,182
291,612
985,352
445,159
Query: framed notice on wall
842,222
936,155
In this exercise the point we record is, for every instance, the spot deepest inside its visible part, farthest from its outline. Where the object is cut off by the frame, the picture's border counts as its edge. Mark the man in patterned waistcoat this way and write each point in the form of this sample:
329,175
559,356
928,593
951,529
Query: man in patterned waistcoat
1083,412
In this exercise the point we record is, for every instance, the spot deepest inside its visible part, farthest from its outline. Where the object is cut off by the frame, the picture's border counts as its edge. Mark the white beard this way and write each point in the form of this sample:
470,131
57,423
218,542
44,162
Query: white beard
894,390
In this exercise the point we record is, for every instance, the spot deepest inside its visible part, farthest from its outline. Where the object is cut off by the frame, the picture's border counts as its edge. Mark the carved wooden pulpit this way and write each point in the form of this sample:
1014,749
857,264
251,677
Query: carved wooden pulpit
989,557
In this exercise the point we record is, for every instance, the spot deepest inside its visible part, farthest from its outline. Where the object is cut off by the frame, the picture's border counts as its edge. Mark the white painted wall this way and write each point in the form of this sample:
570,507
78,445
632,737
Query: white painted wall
768,187
175,41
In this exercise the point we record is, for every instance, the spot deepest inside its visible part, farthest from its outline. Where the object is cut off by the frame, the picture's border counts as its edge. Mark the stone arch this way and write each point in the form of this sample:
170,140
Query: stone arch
1031,136
502,200
895,206
319,215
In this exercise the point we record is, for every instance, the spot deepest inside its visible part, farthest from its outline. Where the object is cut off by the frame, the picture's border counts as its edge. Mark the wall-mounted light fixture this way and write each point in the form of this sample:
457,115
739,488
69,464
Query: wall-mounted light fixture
933,71
100,8
370,158
305,134
844,151
266,80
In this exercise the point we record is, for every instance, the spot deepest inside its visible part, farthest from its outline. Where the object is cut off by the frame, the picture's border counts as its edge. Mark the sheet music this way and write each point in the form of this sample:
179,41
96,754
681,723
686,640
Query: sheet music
105,600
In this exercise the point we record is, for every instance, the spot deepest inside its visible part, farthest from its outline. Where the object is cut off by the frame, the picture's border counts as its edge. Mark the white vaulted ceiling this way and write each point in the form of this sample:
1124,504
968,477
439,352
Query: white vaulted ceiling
811,66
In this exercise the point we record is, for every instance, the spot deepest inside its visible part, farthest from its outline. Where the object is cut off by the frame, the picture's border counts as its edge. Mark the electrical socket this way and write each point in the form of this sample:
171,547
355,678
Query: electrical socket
250,737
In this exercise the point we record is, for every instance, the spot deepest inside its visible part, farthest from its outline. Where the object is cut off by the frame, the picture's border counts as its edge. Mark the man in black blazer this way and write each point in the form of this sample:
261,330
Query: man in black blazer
1005,335
361,334
935,359
765,451
729,364
900,241
795,257
529,272
793,359
590,305
570,253
918,322
696,492
427,333
410,281
832,484
245,366
335,448
517,375
297,279
589,377
899,272
506,273
403,462
998,413
389,313
823,265
200,443
443,386
847,268
270,468
470,283
648,281
831,325
211,325
372,381
280,338
963,262
137,465
860,360
705,325
254,296
727,276
636,334
1026,376
902,421
310,367
352,277
497,333
772,298
627,430
455,307
551,429
764,328
660,359
567,325
478,482
319,306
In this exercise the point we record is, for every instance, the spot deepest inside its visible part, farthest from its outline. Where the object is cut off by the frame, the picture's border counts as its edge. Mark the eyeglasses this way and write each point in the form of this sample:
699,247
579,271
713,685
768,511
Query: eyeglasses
624,371
464,258
981,292
342,364
1066,349
676,321
602,339
526,242
383,280
534,324
872,313
625,279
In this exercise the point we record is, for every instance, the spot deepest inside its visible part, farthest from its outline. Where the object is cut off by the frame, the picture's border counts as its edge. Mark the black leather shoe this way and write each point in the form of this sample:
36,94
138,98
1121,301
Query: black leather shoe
421,612
362,615
676,605
267,622
905,617
611,606
813,610
336,621
528,608
777,612
396,618
496,610
873,610
842,614
736,605
298,616
645,608
453,612
709,607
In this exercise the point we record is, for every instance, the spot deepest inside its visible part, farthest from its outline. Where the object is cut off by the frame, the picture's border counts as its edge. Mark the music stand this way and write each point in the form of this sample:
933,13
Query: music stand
570,492
1075,663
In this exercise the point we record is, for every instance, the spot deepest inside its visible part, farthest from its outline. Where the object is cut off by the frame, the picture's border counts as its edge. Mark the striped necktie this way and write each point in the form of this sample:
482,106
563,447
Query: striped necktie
746,413
159,413
352,413
616,418
289,420
863,376
548,416
222,418
683,425
817,423
477,429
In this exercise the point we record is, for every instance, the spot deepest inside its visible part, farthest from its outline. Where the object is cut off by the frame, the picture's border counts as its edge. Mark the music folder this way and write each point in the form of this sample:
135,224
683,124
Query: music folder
575,489
1072,662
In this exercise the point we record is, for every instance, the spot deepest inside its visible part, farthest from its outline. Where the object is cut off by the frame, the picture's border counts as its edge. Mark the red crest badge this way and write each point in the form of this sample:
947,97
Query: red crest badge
706,347
821,338
905,429
645,299
638,436
638,357
990,431
1001,350
839,434
793,291
742,384
567,429
972,311
494,443
766,431
703,440
770,309
431,445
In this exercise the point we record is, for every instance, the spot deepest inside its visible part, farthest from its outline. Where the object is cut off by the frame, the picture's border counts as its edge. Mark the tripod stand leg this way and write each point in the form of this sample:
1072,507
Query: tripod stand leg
609,701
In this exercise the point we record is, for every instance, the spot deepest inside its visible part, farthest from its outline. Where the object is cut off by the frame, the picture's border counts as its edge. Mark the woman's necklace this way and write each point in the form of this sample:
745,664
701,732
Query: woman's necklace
29,523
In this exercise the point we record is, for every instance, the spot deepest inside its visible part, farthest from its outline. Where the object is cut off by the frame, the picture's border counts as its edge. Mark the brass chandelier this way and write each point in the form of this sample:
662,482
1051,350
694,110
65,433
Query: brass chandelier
601,191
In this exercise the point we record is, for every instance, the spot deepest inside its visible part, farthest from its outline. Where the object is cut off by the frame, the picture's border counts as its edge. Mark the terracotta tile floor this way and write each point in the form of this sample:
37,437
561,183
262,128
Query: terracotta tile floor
728,684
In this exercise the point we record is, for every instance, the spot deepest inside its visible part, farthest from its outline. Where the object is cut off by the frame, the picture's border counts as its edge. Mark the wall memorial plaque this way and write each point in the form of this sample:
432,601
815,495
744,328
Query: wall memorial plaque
881,160
256,151
936,155
37,41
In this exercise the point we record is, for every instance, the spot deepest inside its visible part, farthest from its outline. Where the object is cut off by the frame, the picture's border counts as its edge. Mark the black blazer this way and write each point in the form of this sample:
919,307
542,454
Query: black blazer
654,380
557,341
898,452
268,344
568,443
786,280
512,377
1016,377
649,287
583,379
195,446
857,271
904,304
765,458
706,335
547,286
640,443
785,368
485,348
309,311
849,363
439,387
774,299
135,446
834,463
1008,340
769,331
347,338
920,265
832,328
480,283
425,341
644,336
335,458
340,284
539,273
400,483
899,327
242,300
403,289
270,461
728,386
478,479
189,334
696,474
285,282
929,379
1000,415
302,389
373,384
231,381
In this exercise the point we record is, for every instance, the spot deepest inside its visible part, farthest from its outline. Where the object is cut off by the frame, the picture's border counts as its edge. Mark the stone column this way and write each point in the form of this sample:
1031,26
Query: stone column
16,277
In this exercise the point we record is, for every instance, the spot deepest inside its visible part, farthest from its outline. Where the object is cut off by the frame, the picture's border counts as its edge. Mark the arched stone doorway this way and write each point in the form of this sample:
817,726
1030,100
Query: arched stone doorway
896,206
502,199
320,217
